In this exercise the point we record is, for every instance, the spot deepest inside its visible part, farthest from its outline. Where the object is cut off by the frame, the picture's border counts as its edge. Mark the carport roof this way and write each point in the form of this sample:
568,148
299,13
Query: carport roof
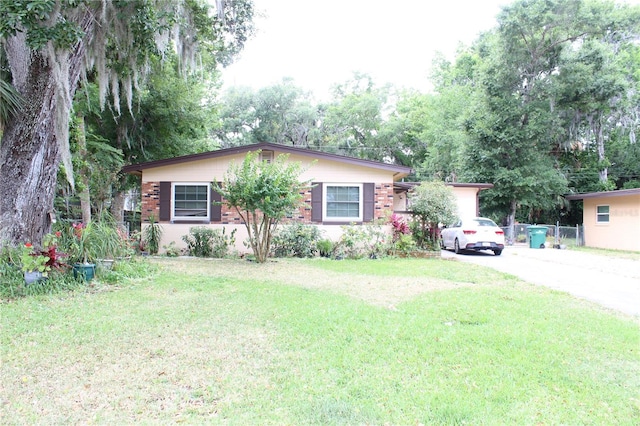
604,194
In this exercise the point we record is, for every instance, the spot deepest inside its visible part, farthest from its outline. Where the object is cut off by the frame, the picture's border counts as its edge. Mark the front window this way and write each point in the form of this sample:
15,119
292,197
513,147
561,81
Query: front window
602,214
191,201
343,202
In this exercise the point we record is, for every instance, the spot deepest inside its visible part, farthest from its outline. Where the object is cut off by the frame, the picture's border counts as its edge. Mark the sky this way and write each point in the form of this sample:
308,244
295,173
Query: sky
321,43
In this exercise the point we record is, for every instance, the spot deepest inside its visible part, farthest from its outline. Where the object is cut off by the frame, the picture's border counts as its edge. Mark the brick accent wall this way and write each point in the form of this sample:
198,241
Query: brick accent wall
230,216
303,214
383,202
150,200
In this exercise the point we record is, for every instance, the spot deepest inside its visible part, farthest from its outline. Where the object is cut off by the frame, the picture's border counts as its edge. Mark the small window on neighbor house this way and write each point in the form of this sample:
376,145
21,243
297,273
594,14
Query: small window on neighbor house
190,201
602,214
343,202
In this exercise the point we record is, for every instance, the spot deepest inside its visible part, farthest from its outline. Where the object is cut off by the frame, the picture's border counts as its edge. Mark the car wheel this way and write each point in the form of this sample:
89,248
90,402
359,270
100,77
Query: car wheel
497,252
456,246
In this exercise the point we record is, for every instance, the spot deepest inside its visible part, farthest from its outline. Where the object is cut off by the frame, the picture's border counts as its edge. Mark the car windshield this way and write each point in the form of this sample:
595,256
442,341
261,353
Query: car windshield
485,222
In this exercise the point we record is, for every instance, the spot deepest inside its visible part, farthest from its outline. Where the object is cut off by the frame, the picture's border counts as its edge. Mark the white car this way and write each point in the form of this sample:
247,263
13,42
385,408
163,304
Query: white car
478,233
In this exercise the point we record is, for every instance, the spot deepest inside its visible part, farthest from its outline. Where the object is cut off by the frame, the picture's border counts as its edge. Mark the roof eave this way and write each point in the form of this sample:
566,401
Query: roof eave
399,171
603,194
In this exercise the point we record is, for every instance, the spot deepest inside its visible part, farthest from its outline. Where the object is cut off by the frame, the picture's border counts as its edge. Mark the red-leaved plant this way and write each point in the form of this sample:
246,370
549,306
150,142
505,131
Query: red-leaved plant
399,225
50,244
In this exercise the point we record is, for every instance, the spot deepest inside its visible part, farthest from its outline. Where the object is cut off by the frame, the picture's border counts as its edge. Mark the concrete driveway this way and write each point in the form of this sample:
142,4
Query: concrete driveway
612,282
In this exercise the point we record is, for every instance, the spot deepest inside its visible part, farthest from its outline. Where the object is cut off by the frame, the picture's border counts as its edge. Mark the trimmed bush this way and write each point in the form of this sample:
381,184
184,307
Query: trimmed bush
206,242
295,240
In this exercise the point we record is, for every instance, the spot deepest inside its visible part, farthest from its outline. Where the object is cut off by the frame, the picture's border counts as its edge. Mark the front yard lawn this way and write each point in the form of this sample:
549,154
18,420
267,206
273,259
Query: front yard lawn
393,341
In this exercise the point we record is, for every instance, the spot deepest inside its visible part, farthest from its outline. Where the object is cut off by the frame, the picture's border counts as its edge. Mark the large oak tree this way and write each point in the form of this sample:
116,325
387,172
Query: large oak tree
49,46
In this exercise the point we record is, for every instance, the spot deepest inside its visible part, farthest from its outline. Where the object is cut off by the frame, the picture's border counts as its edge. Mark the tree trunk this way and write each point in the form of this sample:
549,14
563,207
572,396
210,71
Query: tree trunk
30,151
511,221
595,126
604,171
117,207
83,173
29,157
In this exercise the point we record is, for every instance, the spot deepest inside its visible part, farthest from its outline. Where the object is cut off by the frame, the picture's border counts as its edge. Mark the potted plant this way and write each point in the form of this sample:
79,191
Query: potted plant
34,264
83,251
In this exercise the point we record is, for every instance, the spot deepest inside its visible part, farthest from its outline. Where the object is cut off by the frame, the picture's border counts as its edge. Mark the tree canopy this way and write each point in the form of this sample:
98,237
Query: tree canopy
51,44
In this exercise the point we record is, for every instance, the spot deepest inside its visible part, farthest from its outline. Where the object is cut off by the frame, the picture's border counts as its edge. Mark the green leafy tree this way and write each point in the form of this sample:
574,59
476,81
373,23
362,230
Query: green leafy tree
50,44
353,119
511,124
444,115
597,96
282,113
173,115
262,193
431,204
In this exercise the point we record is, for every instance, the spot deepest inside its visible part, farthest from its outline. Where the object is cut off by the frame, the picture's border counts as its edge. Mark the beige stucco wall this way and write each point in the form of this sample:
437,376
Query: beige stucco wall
400,201
209,170
623,230
174,232
467,200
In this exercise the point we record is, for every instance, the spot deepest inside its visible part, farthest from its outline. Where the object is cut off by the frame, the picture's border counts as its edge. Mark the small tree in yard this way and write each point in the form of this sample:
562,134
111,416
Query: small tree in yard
431,203
263,193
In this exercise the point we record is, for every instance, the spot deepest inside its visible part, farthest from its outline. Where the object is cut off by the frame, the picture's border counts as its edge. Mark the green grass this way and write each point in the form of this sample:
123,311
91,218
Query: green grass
624,254
375,342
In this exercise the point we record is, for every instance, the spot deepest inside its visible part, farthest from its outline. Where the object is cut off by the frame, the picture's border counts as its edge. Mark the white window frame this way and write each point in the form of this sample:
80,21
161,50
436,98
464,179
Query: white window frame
190,218
601,216
326,218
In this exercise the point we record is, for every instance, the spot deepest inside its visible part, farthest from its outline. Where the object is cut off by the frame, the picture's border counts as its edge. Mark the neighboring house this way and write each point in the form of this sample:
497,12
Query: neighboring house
611,219
177,191
467,197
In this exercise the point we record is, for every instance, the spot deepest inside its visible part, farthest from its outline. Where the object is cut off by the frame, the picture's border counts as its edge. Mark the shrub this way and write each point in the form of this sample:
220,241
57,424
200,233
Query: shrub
404,244
431,203
358,241
206,242
324,247
171,250
401,238
296,240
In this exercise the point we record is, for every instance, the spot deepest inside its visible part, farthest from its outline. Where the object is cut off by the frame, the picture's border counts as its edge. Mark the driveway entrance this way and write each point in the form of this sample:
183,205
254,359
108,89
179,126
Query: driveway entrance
609,281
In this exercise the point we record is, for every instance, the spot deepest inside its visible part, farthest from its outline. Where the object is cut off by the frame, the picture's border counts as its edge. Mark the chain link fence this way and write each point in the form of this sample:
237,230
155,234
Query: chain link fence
557,235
